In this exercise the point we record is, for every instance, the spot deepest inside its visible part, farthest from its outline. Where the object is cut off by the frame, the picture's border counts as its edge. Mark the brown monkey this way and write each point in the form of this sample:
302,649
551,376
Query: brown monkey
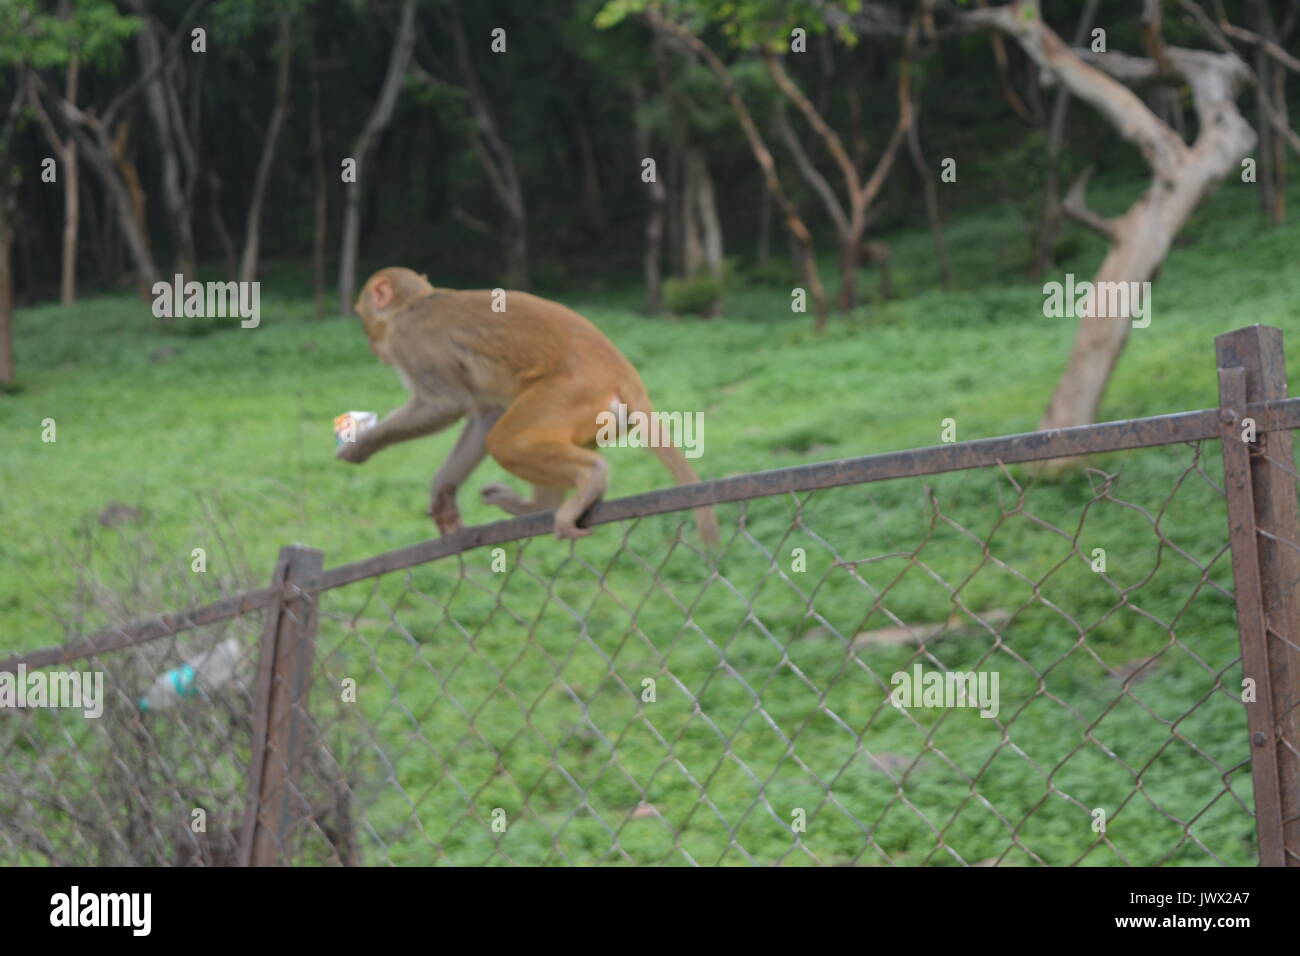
531,380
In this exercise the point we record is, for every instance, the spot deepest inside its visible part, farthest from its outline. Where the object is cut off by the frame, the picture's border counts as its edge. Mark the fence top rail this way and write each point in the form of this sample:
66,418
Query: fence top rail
143,631
1122,435
958,456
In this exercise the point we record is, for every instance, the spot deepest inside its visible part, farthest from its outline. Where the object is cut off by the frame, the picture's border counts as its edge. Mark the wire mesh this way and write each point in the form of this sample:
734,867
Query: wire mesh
122,788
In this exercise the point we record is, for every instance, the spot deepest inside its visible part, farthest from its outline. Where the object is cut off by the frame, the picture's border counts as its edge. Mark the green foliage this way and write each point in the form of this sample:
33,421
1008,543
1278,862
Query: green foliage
747,24
240,21
95,29
616,11
777,271
696,295
701,293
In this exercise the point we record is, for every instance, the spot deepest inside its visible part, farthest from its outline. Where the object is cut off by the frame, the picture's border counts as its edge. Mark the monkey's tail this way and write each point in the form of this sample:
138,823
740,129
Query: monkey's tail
683,473
634,394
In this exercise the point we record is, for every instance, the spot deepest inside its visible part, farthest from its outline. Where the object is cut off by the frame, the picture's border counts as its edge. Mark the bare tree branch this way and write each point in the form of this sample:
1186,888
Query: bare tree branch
811,174
1076,207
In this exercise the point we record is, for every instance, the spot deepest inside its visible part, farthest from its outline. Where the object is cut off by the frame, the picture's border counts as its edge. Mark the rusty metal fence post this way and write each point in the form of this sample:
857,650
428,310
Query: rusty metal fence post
281,725
1260,484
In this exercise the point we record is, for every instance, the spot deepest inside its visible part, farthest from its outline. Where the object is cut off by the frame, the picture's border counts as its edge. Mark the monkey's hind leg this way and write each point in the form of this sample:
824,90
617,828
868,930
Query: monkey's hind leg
583,470
540,439
553,463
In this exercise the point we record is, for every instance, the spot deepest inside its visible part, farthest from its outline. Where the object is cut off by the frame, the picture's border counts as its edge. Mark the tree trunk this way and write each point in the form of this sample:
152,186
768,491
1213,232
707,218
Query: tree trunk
320,207
95,230
252,237
764,251
228,253
8,212
65,148
517,253
1272,145
1141,245
71,223
704,236
169,132
1279,148
7,370
399,60
878,254
593,206
1266,181
692,243
848,275
1049,220
931,191
497,159
652,258
130,199
71,200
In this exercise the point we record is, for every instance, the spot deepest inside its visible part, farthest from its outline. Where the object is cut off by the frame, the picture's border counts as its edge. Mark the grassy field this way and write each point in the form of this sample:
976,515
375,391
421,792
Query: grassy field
522,690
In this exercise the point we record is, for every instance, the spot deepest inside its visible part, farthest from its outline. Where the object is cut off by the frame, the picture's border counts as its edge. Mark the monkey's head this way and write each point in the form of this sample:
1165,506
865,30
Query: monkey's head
383,294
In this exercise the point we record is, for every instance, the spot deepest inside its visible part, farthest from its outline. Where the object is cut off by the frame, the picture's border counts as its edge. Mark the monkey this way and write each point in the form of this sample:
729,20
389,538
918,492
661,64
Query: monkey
531,380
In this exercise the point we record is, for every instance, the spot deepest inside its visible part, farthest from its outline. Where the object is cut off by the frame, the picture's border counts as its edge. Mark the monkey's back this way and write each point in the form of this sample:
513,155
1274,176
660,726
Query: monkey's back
532,339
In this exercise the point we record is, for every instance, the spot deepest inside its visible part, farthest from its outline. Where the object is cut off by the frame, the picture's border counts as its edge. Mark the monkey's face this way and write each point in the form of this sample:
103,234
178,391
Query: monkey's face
372,306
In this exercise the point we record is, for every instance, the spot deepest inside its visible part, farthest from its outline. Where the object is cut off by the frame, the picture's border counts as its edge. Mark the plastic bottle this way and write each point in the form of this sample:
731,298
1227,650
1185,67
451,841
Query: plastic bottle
202,673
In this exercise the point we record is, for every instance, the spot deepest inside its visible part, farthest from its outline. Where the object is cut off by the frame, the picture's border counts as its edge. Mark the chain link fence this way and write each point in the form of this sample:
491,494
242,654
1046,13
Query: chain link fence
929,657
644,707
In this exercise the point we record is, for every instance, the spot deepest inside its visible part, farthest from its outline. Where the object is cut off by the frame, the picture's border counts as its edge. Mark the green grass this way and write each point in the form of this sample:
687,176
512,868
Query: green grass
522,690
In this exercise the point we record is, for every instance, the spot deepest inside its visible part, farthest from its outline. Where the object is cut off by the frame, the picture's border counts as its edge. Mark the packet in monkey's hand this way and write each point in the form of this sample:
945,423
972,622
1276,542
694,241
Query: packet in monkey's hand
350,424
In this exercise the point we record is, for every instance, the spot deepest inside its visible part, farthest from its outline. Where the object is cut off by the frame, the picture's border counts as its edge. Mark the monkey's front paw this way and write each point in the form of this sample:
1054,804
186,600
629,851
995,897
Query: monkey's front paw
568,531
447,522
351,451
444,512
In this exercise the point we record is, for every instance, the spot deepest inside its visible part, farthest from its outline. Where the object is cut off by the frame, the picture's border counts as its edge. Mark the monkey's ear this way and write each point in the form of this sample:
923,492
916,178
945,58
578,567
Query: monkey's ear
381,293
424,276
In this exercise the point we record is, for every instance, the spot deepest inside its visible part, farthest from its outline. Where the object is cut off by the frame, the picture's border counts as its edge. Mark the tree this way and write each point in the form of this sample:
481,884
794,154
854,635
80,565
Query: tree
65,148
96,31
493,153
175,133
762,154
1269,81
399,60
1049,220
687,116
657,199
1182,175
248,262
851,223
30,41
8,182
